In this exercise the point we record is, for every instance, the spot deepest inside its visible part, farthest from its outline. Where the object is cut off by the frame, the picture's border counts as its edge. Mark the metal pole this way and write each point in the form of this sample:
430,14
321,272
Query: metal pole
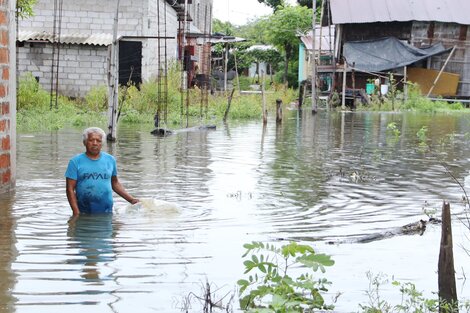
113,82
314,68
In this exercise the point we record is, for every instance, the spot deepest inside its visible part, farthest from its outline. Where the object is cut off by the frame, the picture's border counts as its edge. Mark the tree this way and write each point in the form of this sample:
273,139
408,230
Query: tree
275,4
285,25
308,3
225,28
24,8
255,31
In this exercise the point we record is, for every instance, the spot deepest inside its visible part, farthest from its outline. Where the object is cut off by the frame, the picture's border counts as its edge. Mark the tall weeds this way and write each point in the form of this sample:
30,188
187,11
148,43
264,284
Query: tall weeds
137,104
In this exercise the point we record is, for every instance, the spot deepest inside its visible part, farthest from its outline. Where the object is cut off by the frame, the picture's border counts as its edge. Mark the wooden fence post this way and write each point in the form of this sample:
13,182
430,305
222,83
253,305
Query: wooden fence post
278,110
446,273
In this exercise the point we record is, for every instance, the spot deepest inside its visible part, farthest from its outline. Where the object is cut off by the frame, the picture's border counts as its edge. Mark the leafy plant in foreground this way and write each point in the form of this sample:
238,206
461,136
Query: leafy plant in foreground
412,300
271,287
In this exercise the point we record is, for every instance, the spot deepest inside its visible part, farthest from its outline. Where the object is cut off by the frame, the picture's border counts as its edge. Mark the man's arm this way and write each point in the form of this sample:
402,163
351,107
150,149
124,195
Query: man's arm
120,190
71,196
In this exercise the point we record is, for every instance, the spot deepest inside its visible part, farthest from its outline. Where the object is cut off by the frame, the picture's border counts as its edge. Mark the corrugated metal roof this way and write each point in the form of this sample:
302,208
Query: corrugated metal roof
369,11
101,39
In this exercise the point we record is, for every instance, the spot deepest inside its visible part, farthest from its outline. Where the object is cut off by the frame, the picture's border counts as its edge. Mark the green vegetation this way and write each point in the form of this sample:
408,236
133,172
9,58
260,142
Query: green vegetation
136,105
24,8
271,288
34,110
394,101
412,300
284,26
393,129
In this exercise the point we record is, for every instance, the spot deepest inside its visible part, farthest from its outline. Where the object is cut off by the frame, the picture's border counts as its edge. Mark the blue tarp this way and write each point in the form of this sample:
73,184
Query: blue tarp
386,54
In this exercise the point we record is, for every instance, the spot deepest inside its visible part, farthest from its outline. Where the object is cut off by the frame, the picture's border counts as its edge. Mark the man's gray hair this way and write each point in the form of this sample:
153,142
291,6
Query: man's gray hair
93,130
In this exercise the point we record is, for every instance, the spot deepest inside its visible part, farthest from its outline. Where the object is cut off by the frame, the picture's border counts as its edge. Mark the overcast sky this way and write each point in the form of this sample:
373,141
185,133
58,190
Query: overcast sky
239,12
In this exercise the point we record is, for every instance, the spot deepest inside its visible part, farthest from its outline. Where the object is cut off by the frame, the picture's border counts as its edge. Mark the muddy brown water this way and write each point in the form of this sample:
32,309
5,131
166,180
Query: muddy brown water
315,179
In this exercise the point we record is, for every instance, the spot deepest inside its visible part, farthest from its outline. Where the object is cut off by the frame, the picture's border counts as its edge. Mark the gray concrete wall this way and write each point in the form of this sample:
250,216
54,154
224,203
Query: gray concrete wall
80,66
89,16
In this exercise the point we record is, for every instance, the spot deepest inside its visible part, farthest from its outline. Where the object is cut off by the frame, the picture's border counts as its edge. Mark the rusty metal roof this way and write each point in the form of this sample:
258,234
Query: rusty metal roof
369,11
101,39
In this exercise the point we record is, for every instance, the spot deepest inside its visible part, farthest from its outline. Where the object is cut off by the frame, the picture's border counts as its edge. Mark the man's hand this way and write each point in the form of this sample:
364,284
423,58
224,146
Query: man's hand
134,201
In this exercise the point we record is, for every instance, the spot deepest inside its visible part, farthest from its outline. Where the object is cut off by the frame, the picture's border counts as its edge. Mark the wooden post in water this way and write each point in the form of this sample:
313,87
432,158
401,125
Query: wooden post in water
229,102
278,110
263,96
446,273
343,98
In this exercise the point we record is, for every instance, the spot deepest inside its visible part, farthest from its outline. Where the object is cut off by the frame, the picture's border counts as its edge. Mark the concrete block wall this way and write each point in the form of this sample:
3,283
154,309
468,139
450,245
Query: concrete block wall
81,67
156,27
136,18
7,96
88,16
200,10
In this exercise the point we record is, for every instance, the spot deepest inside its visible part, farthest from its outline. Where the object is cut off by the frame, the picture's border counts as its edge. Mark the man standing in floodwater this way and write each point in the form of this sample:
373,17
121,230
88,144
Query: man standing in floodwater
91,177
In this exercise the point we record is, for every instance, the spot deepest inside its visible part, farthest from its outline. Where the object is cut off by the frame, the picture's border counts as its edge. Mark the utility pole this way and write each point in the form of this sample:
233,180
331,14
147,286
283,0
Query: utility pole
314,66
113,82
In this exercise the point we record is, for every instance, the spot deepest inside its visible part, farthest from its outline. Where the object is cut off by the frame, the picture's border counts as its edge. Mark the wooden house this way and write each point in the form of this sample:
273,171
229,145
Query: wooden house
413,24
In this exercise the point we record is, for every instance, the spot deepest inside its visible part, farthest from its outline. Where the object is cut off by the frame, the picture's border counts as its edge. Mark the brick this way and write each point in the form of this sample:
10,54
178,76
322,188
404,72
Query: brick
6,73
4,108
4,38
3,125
6,177
3,17
5,160
3,90
6,143
4,56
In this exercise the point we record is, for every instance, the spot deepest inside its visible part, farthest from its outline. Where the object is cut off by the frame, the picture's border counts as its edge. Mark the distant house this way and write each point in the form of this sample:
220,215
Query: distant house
257,68
72,41
412,24
324,49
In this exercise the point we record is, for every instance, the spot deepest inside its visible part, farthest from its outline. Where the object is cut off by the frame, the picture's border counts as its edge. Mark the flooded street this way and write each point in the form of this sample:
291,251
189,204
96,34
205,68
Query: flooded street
328,178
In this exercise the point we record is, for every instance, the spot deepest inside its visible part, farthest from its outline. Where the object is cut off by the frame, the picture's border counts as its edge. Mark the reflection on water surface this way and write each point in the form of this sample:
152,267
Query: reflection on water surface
314,179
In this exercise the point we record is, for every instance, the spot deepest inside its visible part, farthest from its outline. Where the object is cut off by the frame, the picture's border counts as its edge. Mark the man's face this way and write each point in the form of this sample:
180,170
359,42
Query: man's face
93,144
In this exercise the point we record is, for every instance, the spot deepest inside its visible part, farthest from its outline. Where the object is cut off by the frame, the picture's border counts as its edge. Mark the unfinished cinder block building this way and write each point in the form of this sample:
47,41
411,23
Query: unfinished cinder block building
66,44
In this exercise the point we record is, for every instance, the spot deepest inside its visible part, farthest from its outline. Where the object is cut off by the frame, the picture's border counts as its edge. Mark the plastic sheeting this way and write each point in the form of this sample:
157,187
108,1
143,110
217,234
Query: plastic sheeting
386,54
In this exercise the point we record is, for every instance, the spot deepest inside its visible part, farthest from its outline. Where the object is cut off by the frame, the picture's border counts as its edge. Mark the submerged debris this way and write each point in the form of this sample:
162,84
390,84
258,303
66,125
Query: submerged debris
162,132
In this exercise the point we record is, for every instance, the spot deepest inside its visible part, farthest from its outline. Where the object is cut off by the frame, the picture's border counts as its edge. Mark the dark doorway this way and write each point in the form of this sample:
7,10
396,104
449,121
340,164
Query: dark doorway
130,62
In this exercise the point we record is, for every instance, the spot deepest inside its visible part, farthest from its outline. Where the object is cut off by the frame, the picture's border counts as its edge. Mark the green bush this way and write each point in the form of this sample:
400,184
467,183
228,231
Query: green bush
30,94
97,99
271,286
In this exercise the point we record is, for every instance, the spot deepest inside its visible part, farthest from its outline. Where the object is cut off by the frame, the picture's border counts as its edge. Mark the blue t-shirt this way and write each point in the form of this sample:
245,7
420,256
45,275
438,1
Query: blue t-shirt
93,189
